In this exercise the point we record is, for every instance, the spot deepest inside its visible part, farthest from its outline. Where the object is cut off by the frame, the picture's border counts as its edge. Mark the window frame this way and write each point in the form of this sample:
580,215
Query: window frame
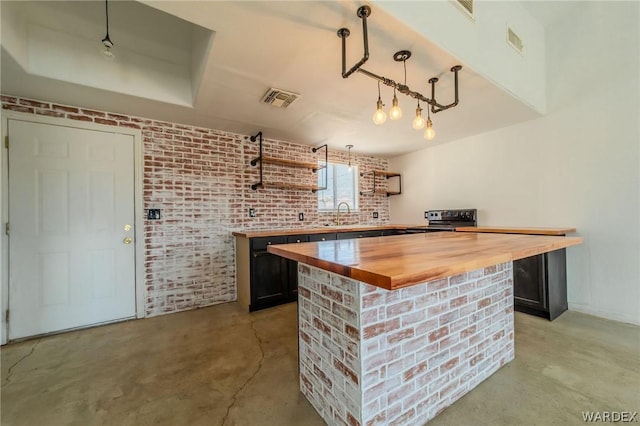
355,205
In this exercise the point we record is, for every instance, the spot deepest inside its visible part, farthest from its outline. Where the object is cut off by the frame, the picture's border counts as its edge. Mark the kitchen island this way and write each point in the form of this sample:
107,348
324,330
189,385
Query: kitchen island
396,329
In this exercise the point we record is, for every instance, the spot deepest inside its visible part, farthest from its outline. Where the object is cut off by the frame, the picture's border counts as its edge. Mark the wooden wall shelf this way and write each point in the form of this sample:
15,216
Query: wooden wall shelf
263,160
288,163
284,185
386,175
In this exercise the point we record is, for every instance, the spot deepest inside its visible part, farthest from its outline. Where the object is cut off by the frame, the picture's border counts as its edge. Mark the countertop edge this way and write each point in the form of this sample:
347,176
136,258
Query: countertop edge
517,230
320,230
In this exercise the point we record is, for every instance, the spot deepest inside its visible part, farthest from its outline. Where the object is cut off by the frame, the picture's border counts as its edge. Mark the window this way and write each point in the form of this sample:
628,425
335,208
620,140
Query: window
342,185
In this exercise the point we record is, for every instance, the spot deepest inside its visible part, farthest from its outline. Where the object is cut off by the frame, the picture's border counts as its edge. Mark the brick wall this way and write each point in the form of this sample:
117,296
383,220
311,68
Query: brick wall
200,179
374,357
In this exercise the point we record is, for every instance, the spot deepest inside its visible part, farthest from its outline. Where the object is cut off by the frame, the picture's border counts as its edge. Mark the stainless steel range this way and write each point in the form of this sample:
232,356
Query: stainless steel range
449,220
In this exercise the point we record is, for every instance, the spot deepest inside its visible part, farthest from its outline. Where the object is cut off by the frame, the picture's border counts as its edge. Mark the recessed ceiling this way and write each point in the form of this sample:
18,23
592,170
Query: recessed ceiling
227,54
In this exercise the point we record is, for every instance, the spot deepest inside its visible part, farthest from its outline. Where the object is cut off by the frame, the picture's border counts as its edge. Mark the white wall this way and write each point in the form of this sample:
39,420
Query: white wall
444,23
578,166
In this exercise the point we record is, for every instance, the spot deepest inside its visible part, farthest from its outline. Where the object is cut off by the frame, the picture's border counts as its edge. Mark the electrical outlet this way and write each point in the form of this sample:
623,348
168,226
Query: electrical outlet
300,216
252,212
375,215
153,214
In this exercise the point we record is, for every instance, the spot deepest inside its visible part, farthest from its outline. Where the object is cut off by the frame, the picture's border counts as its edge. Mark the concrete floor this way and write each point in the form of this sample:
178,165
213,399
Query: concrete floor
222,366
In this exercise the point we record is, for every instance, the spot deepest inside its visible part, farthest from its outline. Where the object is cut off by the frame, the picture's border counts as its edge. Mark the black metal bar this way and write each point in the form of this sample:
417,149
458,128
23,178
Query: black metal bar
326,162
440,107
343,33
255,160
404,89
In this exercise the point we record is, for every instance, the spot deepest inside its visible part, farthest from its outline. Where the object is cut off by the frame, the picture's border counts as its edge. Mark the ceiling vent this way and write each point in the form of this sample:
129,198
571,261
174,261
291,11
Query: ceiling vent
514,40
466,5
279,98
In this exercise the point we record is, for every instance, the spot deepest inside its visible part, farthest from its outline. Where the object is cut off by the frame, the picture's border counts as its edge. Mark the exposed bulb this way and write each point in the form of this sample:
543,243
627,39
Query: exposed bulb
107,45
395,113
379,116
418,122
429,134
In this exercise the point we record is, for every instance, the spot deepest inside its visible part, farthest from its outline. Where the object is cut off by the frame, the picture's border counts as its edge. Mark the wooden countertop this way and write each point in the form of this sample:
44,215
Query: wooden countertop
403,260
322,230
508,230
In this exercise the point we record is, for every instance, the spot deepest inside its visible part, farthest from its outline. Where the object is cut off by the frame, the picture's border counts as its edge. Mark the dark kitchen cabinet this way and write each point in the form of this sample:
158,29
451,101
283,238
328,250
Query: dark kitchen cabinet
266,280
540,284
322,237
269,278
358,234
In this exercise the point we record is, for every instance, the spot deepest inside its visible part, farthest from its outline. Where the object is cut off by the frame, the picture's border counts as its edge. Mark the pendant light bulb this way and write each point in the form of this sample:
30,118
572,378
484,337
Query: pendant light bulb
429,133
418,122
379,116
107,45
395,113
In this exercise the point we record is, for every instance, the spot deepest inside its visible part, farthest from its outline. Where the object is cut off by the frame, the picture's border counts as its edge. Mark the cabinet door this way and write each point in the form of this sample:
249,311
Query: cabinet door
529,282
268,280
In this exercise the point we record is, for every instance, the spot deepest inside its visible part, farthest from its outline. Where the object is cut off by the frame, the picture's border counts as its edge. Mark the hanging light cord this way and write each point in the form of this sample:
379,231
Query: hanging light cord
404,62
107,40
106,12
378,89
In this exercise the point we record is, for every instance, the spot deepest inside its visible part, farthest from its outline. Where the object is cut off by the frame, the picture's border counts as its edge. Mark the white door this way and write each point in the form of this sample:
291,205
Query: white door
71,215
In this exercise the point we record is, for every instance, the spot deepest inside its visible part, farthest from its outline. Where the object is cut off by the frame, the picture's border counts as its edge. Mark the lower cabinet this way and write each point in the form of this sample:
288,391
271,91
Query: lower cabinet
266,280
269,280
358,234
540,284
273,279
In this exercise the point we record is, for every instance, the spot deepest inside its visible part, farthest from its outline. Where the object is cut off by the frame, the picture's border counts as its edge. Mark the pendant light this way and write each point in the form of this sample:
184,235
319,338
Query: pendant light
418,122
395,113
349,148
107,44
379,116
429,133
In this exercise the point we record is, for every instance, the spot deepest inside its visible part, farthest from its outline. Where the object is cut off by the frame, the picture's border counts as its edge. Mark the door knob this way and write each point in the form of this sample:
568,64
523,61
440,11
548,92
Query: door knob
127,227
127,240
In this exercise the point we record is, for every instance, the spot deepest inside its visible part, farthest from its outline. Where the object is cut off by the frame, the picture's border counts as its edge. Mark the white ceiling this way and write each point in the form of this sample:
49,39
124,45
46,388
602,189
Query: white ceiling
254,46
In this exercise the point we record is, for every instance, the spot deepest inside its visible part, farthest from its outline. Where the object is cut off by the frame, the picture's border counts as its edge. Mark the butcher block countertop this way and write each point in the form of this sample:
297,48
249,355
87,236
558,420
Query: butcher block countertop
508,230
322,230
403,260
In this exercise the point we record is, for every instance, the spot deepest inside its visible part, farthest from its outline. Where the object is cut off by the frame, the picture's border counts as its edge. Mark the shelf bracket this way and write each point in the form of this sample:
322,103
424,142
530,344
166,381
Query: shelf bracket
257,136
326,163
373,190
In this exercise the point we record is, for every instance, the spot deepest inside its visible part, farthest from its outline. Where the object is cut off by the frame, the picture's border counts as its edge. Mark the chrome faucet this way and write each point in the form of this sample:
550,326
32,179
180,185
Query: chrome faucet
338,211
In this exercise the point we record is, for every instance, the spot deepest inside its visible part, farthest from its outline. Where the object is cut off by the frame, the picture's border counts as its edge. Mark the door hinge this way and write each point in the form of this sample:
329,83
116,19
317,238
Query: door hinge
6,316
6,228
6,142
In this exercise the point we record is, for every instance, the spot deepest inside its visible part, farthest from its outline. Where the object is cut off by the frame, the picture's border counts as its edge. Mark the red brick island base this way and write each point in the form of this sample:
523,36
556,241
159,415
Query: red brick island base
370,356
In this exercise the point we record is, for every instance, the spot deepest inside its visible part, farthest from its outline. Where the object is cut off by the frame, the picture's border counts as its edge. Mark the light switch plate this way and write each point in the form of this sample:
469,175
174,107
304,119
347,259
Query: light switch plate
252,212
300,216
375,215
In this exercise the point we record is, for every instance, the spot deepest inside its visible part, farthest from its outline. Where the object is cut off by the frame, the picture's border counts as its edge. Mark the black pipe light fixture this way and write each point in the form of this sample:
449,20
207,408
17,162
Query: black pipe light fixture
395,112
107,44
